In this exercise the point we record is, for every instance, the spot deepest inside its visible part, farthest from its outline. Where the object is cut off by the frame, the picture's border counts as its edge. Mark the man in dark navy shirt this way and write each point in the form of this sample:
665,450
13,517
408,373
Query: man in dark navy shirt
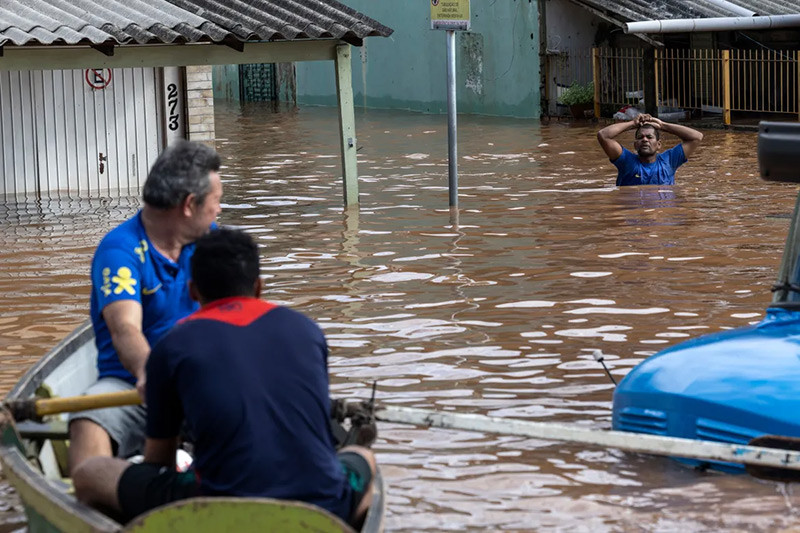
647,166
250,380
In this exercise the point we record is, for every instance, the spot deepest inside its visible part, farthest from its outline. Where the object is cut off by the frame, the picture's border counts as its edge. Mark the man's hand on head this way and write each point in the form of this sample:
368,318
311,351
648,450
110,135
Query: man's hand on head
641,119
656,123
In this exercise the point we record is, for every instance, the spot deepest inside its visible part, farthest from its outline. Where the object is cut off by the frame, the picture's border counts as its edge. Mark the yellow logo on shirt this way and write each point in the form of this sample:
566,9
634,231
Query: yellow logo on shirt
106,287
148,292
141,249
124,280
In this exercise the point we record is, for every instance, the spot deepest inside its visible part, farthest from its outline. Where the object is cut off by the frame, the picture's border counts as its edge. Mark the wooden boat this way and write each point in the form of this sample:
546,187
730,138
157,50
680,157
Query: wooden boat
34,457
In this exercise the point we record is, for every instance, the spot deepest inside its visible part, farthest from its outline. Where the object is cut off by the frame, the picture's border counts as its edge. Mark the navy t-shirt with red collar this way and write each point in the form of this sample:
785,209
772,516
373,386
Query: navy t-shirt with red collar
251,380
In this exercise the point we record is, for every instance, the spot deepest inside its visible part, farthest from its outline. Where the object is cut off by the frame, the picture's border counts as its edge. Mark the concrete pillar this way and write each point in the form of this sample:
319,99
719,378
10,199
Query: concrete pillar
200,104
347,123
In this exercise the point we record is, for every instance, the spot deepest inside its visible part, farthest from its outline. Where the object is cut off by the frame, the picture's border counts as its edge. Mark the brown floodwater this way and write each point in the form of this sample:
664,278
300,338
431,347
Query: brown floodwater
495,313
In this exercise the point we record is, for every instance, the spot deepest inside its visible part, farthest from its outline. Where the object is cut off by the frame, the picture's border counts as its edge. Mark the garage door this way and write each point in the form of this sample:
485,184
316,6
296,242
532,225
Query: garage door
78,132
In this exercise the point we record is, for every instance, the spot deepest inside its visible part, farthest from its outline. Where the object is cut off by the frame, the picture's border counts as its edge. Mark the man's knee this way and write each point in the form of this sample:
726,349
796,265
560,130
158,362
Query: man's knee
95,480
87,439
366,491
82,479
366,453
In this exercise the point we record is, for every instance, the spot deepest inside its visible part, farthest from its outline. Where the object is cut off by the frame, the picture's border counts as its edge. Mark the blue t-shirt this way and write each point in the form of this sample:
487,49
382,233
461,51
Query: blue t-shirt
251,381
126,266
660,172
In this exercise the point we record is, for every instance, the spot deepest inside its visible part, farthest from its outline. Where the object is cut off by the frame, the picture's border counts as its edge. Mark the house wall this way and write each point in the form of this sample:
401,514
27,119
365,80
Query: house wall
226,82
497,62
200,104
570,33
568,26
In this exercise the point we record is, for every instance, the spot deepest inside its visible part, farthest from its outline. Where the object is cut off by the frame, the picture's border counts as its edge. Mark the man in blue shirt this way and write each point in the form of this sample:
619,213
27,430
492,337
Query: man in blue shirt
647,166
139,290
250,380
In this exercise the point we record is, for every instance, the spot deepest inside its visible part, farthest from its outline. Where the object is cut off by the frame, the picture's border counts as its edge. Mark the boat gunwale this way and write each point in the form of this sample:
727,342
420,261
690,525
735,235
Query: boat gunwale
16,465
376,513
15,462
62,351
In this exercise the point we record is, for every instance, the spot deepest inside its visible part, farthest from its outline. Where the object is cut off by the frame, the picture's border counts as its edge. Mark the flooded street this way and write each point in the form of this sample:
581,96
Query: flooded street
496,313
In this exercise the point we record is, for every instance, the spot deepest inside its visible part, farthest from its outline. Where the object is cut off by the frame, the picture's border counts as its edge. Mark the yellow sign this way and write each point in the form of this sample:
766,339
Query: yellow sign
449,14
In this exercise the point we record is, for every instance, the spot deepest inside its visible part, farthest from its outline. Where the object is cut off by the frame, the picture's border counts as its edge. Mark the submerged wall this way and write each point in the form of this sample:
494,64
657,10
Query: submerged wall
497,62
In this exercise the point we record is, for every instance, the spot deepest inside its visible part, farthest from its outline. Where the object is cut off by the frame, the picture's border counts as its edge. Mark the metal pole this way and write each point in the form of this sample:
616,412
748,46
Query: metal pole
452,142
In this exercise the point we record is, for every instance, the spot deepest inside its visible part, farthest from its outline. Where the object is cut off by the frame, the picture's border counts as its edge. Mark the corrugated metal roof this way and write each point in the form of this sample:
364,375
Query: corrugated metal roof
104,22
635,11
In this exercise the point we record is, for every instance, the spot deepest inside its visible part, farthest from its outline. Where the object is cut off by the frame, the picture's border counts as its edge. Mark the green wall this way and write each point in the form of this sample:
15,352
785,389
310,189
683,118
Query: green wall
225,80
497,61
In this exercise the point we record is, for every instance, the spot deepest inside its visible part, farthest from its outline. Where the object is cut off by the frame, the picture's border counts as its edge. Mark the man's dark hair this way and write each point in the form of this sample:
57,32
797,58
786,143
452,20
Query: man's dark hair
180,170
225,264
646,126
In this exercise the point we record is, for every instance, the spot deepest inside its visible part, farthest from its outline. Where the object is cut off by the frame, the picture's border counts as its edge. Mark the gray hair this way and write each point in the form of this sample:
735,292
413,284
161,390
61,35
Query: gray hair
180,170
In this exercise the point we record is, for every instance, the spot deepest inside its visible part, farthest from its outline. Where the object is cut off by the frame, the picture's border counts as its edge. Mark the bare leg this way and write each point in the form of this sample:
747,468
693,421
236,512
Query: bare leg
87,439
361,511
96,480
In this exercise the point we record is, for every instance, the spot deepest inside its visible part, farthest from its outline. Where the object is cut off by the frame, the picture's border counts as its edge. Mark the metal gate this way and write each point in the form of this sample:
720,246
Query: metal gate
257,82
79,132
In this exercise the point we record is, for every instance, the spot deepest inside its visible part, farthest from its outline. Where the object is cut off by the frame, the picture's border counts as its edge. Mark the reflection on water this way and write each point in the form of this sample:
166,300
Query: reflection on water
496,311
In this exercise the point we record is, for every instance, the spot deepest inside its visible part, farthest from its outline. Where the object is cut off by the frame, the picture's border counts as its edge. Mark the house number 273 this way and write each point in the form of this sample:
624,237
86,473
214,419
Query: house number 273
172,105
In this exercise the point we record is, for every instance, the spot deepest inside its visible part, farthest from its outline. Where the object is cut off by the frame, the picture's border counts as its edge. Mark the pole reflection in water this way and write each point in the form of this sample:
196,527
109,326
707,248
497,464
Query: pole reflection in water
495,309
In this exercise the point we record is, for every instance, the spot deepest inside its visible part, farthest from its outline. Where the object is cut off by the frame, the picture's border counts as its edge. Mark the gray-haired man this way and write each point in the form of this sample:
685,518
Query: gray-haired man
139,290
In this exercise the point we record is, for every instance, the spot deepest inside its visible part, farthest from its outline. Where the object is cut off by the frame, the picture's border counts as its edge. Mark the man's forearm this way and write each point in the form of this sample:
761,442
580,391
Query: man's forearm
685,133
160,451
609,132
133,349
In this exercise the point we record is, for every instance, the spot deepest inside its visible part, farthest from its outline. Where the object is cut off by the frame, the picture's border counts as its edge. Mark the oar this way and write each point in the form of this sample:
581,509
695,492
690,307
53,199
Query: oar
769,456
759,456
769,472
39,407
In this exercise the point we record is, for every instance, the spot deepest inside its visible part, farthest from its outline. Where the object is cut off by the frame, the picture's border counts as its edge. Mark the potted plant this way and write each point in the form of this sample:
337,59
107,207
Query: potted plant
580,99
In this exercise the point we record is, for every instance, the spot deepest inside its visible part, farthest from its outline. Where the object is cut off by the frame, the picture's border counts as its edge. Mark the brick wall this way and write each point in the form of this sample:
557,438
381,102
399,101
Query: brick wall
200,104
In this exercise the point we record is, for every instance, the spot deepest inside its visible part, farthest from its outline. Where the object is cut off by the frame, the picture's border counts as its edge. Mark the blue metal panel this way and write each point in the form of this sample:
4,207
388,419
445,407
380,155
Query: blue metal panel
727,387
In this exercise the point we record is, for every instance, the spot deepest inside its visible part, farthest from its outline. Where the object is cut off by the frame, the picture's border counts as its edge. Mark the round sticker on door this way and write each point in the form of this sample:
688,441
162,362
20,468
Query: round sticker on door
98,78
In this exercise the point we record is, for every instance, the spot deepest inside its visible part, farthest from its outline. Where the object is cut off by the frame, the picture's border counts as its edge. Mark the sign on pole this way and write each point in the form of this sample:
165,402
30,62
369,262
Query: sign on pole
450,15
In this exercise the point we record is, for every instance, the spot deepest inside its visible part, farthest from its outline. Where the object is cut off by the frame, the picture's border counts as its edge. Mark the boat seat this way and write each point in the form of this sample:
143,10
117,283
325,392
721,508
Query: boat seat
243,515
53,430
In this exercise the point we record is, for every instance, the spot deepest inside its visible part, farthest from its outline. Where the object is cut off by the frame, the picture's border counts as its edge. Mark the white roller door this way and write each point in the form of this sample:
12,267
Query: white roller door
78,132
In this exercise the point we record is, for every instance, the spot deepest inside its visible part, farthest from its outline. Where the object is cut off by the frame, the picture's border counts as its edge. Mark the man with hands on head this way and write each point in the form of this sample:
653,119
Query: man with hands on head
647,166
139,278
